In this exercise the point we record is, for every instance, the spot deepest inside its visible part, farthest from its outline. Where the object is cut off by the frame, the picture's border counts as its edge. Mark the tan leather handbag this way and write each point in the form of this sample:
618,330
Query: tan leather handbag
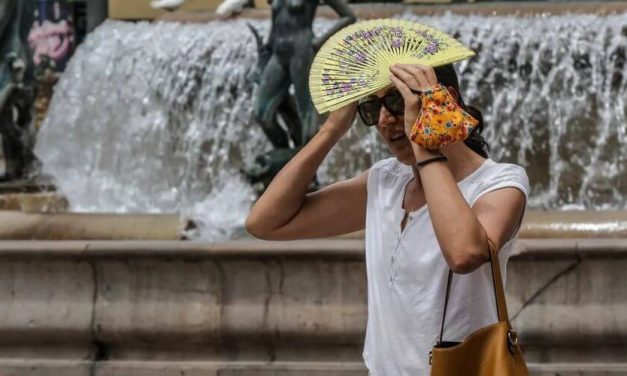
489,351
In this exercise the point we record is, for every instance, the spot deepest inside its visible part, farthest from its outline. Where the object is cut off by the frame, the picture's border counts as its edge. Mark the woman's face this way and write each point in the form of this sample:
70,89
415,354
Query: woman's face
392,129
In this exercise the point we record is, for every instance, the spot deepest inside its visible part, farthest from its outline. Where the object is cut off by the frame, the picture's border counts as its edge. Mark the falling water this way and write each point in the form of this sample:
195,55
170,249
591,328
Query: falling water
156,117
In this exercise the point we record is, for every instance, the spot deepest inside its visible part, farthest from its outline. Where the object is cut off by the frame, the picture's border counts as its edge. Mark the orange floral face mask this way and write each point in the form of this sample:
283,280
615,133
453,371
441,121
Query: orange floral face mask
442,120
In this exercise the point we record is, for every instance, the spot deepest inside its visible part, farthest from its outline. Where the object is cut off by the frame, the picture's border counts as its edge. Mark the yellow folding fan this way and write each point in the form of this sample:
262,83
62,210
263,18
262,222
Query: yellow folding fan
355,62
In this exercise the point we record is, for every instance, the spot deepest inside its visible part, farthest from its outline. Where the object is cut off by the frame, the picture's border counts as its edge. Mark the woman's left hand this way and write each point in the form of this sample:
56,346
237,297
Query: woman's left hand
409,78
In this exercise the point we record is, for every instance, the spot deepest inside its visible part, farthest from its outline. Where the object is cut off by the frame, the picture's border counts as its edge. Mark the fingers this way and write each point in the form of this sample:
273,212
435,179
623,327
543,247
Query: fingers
431,76
423,76
410,80
407,84
406,91
425,70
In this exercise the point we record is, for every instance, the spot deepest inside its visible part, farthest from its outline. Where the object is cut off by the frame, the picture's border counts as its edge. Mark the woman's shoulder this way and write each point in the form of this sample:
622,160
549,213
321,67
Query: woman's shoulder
502,170
497,175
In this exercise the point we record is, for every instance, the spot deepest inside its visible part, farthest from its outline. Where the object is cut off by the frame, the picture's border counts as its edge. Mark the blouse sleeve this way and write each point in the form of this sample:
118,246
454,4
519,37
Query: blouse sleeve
509,176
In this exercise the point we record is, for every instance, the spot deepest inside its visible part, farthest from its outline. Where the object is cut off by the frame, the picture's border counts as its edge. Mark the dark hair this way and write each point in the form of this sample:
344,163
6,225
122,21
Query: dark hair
448,77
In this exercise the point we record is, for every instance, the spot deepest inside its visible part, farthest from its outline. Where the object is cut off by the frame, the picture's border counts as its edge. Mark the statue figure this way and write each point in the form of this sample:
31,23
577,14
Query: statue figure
16,86
46,77
16,18
290,51
289,119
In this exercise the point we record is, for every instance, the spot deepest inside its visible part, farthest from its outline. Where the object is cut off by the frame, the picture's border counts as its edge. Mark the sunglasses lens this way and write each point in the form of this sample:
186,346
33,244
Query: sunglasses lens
395,103
369,111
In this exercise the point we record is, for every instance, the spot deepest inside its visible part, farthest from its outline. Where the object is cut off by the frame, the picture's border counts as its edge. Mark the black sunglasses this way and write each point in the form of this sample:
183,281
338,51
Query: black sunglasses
370,109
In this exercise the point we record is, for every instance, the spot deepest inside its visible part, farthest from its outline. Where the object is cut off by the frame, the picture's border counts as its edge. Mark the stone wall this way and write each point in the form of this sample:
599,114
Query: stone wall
266,308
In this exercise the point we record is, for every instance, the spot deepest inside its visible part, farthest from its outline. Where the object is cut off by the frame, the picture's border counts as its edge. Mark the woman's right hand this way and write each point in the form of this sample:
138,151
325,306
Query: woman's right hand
341,119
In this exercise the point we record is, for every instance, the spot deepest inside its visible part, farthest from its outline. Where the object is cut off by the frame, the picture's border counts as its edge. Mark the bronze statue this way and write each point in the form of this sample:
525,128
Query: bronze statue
284,61
16,86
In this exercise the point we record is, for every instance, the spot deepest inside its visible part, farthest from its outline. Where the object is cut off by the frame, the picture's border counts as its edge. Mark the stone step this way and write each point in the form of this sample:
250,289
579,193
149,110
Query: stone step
48,367
16,225
576,369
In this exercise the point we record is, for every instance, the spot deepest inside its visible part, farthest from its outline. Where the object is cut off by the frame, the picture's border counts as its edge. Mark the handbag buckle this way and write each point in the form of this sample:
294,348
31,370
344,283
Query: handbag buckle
512,339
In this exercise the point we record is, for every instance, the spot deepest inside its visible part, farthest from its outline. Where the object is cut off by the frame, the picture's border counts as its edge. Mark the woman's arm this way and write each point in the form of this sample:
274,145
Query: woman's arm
347,17
285,211
462,231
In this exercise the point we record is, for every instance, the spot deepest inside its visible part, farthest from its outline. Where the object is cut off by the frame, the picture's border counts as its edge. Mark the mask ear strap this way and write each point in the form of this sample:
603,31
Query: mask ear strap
461,100
459,95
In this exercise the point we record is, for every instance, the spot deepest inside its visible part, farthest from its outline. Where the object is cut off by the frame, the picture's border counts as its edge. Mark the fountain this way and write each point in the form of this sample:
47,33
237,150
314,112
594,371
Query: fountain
185,91
152,118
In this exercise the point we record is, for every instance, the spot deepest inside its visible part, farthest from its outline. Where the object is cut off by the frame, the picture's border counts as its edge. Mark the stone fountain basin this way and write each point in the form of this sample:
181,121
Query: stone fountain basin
118,294
274,308
44,216
18,225
125,297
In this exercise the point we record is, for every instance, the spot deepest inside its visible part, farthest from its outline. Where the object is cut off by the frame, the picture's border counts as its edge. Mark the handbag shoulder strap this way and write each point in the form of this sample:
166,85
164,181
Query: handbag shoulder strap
499,292
497,280
448,291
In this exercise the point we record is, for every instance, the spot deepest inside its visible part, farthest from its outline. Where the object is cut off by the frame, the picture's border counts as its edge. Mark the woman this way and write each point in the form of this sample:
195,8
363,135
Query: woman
419,221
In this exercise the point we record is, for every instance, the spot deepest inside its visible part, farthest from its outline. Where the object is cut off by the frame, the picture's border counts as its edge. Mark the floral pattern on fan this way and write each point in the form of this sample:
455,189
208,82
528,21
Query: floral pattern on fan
334,86
434,45
355,62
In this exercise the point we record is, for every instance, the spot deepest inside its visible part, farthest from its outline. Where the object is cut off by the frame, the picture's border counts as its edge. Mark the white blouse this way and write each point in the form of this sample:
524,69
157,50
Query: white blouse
407,273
